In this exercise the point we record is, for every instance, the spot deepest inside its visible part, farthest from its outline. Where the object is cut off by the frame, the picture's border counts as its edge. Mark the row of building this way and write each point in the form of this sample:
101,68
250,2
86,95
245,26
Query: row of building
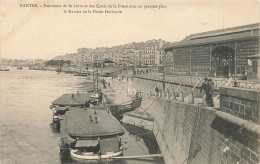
218,53
149,53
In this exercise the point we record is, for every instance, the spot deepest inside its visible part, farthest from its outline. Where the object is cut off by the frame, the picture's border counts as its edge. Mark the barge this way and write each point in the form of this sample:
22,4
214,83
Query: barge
91,134
68,102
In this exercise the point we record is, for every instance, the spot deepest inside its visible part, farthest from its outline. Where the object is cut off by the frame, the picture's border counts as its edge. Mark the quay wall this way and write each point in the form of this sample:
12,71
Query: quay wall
195,134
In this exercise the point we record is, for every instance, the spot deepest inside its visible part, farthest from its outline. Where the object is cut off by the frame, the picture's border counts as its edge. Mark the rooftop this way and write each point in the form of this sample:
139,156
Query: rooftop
77,99
78,123
234,33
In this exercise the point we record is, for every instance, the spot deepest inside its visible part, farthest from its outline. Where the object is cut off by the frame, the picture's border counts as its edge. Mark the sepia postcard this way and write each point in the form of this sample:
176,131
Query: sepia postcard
129,81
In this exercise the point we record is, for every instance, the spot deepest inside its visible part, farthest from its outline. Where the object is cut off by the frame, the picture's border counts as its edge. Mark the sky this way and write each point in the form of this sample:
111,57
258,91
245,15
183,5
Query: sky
46,32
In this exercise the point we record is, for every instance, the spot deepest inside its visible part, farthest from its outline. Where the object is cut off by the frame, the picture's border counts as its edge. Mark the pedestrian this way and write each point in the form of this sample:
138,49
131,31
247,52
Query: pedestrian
204,86
209,93
235,82
156,90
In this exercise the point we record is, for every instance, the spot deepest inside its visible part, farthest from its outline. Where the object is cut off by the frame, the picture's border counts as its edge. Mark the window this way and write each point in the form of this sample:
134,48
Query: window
241,69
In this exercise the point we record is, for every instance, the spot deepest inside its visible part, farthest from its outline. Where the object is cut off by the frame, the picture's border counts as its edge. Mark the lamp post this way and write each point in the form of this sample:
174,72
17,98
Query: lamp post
164,73
93,72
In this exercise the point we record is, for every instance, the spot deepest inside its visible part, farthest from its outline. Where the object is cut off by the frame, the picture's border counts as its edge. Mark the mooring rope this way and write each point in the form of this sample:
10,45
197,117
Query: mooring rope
196,84
193,154
145,112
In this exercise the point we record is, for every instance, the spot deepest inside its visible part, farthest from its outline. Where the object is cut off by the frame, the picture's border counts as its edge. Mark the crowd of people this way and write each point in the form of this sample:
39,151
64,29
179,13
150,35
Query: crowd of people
208,88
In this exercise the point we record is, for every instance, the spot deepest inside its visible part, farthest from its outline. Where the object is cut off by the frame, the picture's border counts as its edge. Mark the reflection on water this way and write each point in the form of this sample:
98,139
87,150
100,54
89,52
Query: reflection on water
27,134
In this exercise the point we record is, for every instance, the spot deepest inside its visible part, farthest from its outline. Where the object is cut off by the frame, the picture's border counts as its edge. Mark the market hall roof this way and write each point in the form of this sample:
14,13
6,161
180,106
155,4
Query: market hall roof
234,33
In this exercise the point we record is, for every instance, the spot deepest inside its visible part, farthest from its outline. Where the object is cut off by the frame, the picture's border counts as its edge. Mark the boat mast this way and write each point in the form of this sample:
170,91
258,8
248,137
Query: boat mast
97,75
93,72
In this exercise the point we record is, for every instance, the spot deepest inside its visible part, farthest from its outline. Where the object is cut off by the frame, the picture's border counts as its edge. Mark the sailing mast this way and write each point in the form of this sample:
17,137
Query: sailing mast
93,72
97,76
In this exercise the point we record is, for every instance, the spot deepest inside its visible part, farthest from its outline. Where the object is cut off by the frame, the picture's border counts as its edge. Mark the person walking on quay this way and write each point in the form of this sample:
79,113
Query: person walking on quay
156,90
204,86
203,89
209,93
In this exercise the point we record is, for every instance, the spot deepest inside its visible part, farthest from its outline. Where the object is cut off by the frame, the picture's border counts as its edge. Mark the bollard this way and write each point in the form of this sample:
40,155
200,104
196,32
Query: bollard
95,120
181,97
191,98
149,94
174,95
167,96
160,94
164,94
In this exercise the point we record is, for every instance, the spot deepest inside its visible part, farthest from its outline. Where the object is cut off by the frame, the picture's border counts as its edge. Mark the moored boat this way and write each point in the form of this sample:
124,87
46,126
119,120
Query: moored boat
80,74
68,102
4,69
91,134
106,74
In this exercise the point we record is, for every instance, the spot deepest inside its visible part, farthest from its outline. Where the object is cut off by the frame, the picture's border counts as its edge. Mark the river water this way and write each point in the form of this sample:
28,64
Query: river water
26,132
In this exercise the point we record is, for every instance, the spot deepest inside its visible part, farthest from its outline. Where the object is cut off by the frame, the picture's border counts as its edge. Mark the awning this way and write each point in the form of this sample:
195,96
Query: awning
86,143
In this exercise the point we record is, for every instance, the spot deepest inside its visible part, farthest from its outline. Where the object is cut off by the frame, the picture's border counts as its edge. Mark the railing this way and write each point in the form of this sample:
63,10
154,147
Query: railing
189,80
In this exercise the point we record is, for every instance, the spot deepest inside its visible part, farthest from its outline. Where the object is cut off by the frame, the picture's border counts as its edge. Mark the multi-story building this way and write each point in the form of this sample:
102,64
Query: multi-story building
153,52
159,57
128,56
137,54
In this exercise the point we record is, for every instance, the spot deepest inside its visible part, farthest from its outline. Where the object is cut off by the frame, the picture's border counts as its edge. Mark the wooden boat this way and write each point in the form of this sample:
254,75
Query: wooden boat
82,73
91,134
68,102
4,69
106,74
118,110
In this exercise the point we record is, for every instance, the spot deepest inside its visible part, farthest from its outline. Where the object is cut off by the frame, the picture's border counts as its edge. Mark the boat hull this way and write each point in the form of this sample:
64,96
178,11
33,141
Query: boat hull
93,157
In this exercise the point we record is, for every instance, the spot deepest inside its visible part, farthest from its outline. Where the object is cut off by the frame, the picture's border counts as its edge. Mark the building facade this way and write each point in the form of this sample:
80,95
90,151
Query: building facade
219,53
